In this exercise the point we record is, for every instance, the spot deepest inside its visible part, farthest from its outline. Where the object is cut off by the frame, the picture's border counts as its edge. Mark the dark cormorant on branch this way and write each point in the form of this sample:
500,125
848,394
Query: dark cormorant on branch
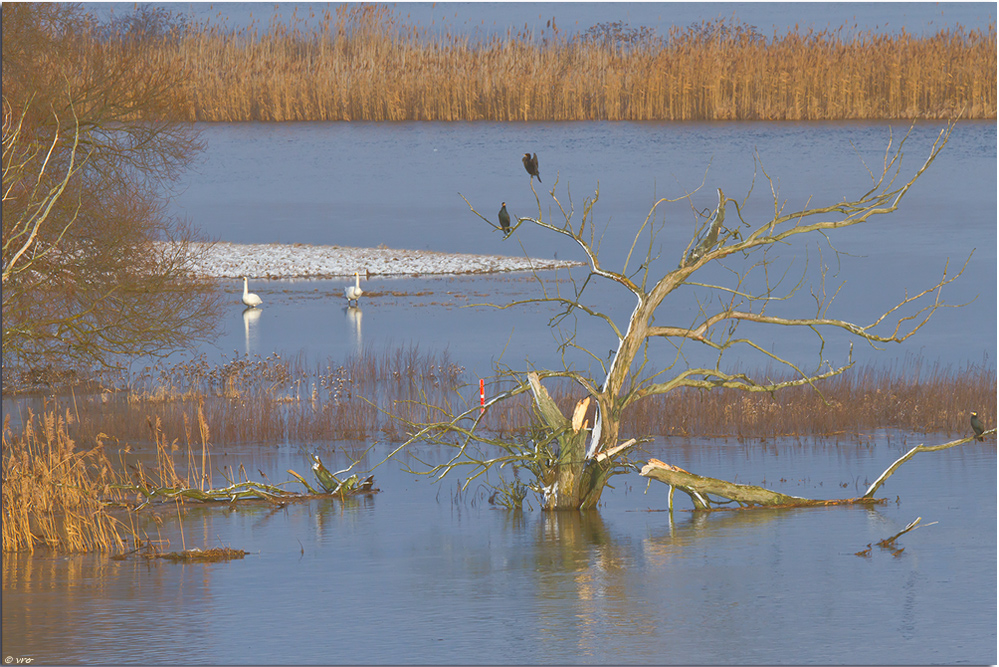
531,165
504,219
976,424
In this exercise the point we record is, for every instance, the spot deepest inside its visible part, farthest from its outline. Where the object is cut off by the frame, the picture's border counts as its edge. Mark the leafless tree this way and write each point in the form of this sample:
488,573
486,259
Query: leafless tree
92,264
571,460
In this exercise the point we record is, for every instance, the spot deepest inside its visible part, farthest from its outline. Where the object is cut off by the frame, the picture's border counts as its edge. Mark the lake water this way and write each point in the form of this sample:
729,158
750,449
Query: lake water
366,184
413,576
416,575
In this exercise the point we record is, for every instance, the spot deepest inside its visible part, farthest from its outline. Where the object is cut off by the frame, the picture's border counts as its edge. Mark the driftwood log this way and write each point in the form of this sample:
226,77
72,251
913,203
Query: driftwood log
330,485
745,496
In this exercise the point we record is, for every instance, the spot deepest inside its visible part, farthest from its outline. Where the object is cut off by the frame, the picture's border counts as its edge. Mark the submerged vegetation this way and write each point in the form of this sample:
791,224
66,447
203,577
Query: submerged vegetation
360,62
62,490
266,400
912,396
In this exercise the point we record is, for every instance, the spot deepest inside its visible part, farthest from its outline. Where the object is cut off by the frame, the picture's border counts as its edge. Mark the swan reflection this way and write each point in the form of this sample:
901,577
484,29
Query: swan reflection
250,317
354,322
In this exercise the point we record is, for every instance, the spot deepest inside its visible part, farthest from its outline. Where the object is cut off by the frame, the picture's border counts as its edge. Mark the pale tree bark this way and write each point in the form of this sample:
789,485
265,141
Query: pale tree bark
24,168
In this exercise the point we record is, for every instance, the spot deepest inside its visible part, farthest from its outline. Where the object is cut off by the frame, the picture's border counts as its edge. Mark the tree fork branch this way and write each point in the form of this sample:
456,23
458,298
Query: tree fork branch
912,452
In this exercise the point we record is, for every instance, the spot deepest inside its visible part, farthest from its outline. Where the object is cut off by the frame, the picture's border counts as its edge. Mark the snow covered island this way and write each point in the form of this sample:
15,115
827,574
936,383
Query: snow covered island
299,260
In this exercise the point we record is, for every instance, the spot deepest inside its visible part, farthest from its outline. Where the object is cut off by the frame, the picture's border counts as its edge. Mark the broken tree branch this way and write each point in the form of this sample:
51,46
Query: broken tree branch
747,496
912,452
889,542
700,489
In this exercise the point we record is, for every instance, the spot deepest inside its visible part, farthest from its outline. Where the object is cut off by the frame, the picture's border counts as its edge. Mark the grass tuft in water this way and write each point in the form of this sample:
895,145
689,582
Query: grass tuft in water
215,555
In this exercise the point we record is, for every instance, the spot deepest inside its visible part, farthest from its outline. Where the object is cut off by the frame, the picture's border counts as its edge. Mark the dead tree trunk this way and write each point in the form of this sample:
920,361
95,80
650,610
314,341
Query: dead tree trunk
573,481
700,489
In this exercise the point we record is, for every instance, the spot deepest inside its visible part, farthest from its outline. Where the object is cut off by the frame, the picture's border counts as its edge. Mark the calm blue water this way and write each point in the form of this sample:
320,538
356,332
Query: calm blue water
414,576
291,183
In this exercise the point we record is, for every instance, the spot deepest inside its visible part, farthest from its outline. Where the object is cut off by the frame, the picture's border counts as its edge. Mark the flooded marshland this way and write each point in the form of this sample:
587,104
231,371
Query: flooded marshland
420,573
416,574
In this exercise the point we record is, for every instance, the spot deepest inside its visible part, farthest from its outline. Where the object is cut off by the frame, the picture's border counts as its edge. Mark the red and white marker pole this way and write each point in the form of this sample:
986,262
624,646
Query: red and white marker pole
482,396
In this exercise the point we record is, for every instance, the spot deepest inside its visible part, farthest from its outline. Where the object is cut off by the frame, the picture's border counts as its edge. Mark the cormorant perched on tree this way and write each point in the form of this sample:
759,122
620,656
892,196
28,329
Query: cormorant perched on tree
504,219
976,424
531,165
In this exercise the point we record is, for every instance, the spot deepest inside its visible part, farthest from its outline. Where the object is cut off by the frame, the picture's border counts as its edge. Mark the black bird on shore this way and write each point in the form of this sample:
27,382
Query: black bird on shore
976,424
504,219
531,165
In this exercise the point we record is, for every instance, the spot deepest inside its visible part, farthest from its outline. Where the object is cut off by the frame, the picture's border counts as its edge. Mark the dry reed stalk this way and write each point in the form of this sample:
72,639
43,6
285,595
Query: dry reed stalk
54,496
359,65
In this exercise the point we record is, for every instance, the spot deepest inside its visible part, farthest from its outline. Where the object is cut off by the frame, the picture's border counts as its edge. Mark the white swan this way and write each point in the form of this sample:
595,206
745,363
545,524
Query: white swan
353,292
250,299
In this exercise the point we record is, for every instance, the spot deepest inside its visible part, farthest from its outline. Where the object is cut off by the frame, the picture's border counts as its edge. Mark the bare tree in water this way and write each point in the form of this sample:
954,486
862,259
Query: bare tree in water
567,459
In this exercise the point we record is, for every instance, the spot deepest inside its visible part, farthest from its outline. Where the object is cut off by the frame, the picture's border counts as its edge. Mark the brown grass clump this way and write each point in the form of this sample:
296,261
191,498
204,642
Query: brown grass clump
359,64
203,556
53,495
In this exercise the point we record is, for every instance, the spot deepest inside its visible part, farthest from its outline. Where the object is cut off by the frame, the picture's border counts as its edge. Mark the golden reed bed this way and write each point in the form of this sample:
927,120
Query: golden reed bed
360,65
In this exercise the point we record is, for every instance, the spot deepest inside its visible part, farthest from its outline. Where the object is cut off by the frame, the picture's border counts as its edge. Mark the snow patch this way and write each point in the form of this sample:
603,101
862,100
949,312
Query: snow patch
300,260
